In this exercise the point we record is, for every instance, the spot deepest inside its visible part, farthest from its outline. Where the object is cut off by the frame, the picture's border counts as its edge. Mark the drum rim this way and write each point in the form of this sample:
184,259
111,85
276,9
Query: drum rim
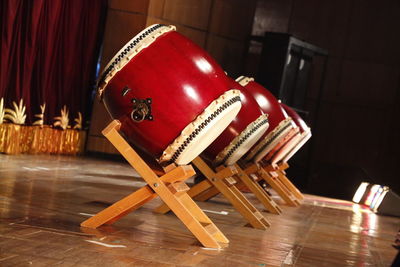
192,130
240,139
284,142
140,41
272,138
306,135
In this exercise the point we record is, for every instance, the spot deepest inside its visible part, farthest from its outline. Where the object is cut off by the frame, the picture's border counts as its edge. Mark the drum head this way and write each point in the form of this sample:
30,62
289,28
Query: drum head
286,148
270,141
293,132
304,138
243,142
199,134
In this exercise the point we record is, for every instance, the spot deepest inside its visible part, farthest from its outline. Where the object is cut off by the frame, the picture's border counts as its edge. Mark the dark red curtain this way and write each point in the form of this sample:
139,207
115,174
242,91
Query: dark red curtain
49,51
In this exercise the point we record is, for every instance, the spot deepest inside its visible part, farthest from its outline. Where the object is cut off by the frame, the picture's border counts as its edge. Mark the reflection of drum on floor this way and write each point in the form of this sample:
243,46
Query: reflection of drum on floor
170,96
243,132
281,128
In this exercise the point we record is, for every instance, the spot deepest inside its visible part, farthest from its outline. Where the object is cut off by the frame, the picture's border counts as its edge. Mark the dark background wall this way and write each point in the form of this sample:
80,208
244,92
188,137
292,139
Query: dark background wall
359,119
358,129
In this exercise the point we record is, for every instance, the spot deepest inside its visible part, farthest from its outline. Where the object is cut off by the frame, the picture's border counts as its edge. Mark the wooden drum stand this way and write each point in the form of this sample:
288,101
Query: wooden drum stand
170,187
274,175
222,181
268,173
280,170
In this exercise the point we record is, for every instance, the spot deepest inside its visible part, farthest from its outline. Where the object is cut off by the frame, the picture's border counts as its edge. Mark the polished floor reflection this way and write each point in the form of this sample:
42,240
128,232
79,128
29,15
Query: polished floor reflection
43,199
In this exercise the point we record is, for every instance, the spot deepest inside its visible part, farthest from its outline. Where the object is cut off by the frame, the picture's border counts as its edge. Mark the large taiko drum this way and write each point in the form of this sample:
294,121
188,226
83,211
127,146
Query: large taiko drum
243,132
305,134
281,128
171,97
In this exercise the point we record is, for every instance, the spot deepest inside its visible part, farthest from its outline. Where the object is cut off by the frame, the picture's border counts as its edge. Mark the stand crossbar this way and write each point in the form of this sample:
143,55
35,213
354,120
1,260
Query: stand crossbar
242,181
223,182
271,178
281,169
170,188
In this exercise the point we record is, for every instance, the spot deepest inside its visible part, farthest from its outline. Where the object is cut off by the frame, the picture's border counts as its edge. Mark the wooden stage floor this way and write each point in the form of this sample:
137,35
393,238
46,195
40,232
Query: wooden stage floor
43,199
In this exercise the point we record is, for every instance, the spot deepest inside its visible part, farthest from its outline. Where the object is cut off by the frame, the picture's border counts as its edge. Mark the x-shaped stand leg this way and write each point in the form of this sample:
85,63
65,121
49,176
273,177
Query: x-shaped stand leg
271,177
244,180
203,191
280,170
222,180
169,187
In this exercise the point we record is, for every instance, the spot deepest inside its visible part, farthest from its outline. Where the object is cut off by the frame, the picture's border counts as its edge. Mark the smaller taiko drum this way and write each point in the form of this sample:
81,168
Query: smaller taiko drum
304,136
171,97
242,133
281,128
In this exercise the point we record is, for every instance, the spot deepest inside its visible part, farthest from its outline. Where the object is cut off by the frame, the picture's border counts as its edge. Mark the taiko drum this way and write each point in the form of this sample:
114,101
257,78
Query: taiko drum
171,97
242,133
281,128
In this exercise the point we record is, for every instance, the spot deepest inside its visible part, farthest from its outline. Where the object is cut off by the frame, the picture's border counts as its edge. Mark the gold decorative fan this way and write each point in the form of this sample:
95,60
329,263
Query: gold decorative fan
2,111
63,120
40,116
17,115
78,121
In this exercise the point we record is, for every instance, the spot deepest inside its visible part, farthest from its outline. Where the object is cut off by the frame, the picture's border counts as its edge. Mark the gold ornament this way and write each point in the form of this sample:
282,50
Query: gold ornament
16,116
78,121
2,111
40,116
63,120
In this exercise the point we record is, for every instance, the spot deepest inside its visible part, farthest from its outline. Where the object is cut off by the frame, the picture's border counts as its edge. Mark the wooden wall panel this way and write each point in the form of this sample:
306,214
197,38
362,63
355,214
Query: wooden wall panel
229,53
373,32
332,78
101,145
364,83
350,134
232,18
120,28
197,36
100,119
314,83
272,15
352,137
156,8
193,13
323,23
139,6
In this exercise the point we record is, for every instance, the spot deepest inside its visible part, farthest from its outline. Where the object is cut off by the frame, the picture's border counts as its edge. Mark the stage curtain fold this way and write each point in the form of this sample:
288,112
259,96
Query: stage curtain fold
49,51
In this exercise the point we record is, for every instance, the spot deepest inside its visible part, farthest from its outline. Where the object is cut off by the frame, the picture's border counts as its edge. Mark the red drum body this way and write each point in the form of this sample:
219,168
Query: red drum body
281,128
171,97
296,118
244,131
296,143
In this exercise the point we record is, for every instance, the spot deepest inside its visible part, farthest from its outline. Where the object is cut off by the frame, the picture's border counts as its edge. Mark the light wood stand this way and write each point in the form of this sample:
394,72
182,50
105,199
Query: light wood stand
223,182
280,170
251,182
271,177
170,187
242,181
258,172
